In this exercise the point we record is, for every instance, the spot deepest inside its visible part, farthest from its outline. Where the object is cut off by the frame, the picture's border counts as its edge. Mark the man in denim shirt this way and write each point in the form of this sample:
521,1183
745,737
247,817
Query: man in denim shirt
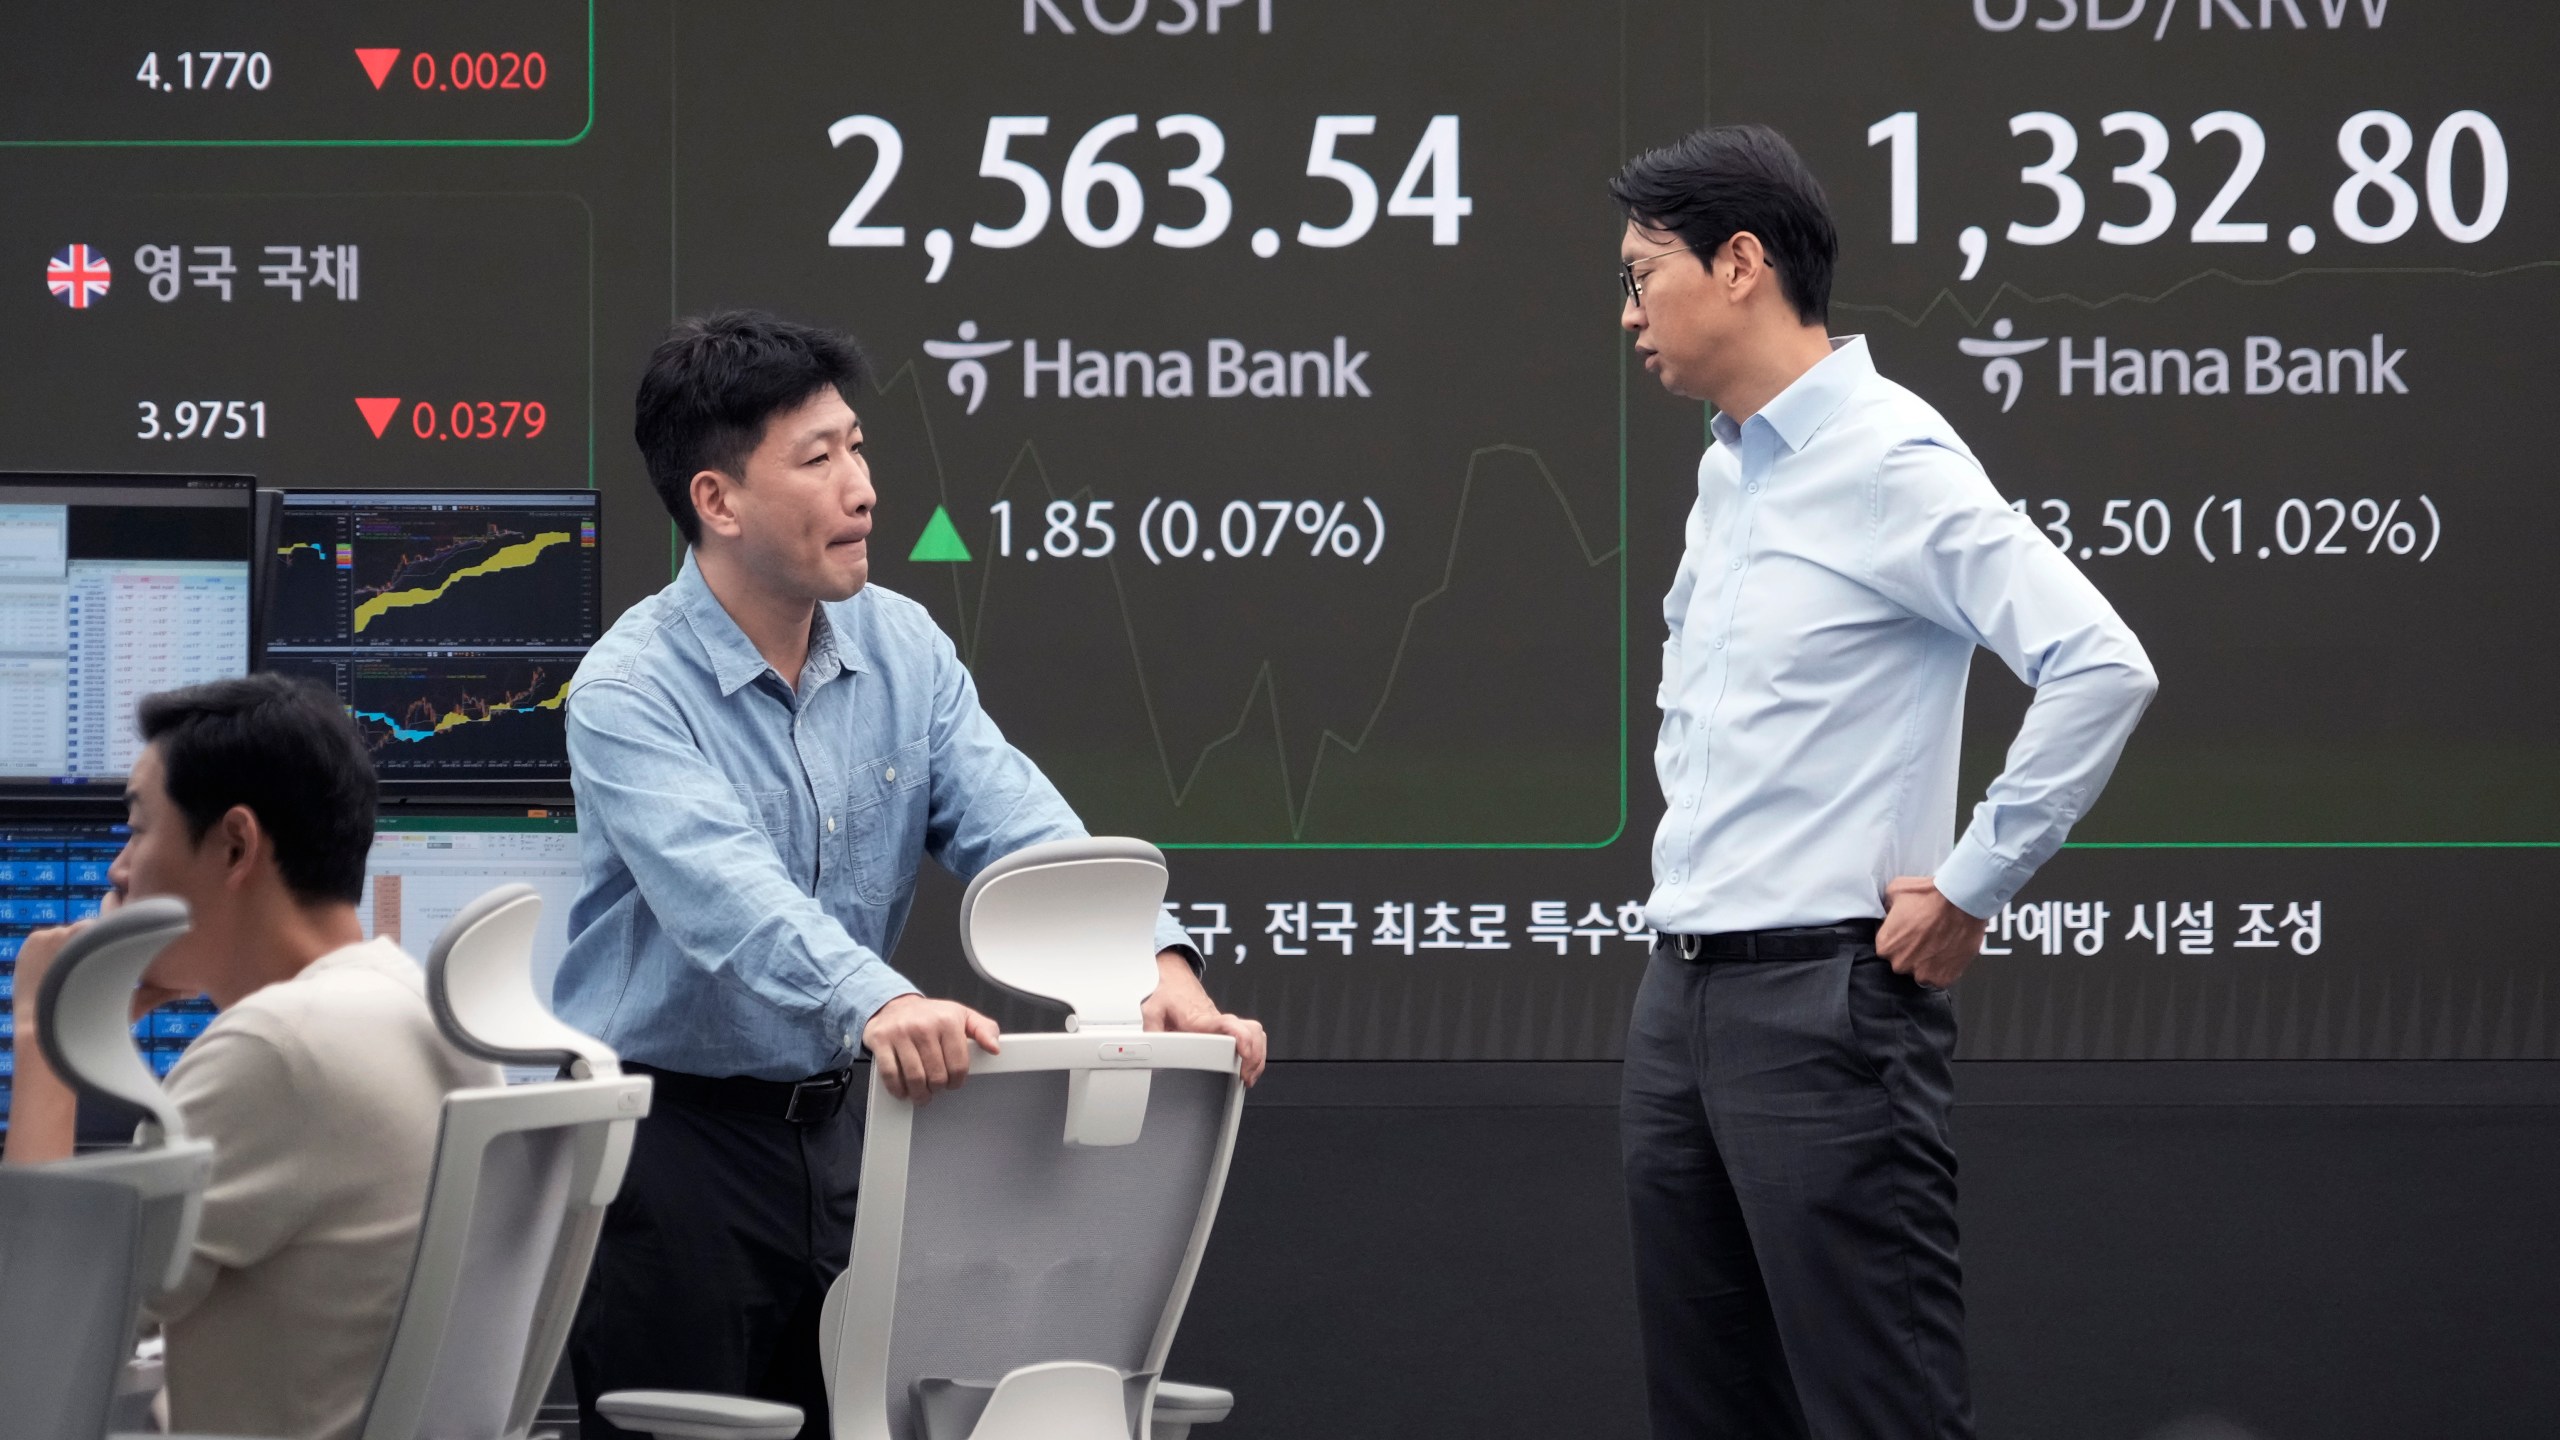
763,752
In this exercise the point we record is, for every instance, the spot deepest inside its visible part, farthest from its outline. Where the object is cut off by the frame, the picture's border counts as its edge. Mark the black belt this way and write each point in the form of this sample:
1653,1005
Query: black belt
802,1102
1804,942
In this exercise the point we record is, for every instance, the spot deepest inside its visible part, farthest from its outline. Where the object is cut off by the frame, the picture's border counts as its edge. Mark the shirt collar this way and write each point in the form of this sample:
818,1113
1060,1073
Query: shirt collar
1804,407
364,954
735,661
831,651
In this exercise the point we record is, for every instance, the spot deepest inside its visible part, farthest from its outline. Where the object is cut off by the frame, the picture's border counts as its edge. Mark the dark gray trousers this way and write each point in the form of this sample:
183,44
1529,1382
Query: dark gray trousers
1793,1195
716,1258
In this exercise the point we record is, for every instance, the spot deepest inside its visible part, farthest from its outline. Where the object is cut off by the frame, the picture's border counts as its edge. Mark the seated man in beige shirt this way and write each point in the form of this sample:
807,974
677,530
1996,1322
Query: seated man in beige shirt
322,1081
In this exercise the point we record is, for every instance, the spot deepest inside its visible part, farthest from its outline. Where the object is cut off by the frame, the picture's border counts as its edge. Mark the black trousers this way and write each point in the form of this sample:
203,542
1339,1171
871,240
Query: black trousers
715,1259
1793,1194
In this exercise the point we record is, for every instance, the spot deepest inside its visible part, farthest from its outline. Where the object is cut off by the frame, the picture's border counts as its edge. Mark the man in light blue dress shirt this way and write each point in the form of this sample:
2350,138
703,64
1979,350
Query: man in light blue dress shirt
1790,1178
763,754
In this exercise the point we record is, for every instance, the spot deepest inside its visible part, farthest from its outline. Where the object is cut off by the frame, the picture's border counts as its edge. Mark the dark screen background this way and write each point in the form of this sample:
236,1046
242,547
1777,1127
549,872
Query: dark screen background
2352,736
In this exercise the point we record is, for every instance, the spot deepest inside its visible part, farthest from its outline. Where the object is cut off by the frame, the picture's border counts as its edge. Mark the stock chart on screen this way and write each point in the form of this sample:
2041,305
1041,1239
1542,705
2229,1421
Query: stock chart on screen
448,622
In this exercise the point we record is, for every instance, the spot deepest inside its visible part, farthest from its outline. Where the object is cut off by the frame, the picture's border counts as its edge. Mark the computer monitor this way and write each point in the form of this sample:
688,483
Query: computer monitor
447,622
112,587
421,870
424,868
53,872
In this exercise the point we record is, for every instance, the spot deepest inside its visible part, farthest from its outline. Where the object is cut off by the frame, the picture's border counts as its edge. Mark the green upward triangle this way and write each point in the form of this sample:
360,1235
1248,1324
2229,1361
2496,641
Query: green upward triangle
940,540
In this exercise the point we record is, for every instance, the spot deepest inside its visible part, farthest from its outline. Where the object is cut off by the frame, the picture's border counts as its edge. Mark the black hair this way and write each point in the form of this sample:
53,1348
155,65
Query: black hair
1725,179
713,383
288,751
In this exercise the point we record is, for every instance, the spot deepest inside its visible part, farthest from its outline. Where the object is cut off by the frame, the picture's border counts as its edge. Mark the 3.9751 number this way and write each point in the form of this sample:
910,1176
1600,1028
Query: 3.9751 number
202,420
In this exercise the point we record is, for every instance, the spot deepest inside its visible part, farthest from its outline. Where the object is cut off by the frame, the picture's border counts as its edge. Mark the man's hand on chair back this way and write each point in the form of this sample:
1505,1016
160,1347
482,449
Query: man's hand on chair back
922,1046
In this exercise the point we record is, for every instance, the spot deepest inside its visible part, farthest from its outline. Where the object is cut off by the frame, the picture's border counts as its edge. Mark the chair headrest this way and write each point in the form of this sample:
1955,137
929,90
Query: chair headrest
84,1012
480,985
1072,922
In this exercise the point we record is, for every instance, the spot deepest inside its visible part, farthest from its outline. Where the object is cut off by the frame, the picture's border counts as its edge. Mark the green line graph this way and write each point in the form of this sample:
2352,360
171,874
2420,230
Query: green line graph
1182,775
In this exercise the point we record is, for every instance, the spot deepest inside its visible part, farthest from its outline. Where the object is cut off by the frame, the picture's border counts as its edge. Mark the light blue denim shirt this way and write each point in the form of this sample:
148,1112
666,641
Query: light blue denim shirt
751,852
1845,558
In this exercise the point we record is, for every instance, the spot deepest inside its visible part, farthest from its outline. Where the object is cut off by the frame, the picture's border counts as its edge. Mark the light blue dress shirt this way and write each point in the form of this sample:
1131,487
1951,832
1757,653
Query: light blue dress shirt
1845,556
751,852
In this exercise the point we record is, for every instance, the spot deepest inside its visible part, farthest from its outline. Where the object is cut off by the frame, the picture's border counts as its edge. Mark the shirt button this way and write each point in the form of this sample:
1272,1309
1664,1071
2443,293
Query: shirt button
1735,565
1719,642
831,824
1751,489
889,774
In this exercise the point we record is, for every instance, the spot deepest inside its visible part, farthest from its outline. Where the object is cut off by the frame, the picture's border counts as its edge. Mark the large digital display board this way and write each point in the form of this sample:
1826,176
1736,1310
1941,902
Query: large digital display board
1249,409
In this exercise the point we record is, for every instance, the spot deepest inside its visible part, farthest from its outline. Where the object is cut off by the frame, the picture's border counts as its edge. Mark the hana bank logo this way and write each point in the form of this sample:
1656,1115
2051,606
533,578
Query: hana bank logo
968,354
2004,376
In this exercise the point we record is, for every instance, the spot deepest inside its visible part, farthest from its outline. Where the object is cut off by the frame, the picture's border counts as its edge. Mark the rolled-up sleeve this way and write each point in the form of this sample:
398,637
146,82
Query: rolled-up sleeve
989,799
710,877
1948,548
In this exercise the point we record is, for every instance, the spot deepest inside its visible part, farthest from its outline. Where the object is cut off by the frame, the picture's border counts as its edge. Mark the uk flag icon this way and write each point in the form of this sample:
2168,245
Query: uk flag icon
77,276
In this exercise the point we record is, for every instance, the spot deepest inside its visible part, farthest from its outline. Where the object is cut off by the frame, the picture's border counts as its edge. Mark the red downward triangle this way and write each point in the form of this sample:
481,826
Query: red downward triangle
377,63
378,410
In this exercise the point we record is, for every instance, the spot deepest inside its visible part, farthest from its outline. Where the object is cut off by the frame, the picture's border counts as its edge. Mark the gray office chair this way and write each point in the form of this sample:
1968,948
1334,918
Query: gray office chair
1026,1243
85,1241
522,1177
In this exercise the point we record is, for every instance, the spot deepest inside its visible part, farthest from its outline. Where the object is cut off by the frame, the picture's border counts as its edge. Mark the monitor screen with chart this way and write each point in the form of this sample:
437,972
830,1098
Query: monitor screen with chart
448,622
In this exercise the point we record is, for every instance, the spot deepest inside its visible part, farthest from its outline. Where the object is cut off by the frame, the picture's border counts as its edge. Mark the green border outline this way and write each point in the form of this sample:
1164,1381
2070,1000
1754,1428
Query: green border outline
583,130
676,552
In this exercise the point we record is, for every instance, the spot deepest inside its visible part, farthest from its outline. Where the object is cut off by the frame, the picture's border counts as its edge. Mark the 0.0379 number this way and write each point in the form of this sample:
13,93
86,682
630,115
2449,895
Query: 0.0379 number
202,420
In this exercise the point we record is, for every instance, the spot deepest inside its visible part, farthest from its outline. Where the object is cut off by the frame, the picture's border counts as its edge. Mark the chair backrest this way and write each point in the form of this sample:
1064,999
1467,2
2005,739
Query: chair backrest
85,1241
996,1238
84,1014
522,1176
70,1289
84,1024
1072,922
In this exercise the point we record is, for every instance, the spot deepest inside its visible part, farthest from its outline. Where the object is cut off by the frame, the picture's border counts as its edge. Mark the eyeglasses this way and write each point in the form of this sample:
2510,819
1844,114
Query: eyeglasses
1632,285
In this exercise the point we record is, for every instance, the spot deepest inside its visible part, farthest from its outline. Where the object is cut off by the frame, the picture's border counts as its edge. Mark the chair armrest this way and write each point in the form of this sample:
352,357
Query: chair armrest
692,1415
1178,1404
138,1389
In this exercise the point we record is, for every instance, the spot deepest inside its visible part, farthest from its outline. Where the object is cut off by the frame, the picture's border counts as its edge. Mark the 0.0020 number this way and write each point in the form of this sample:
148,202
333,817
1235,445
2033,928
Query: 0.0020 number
505,70
202,420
